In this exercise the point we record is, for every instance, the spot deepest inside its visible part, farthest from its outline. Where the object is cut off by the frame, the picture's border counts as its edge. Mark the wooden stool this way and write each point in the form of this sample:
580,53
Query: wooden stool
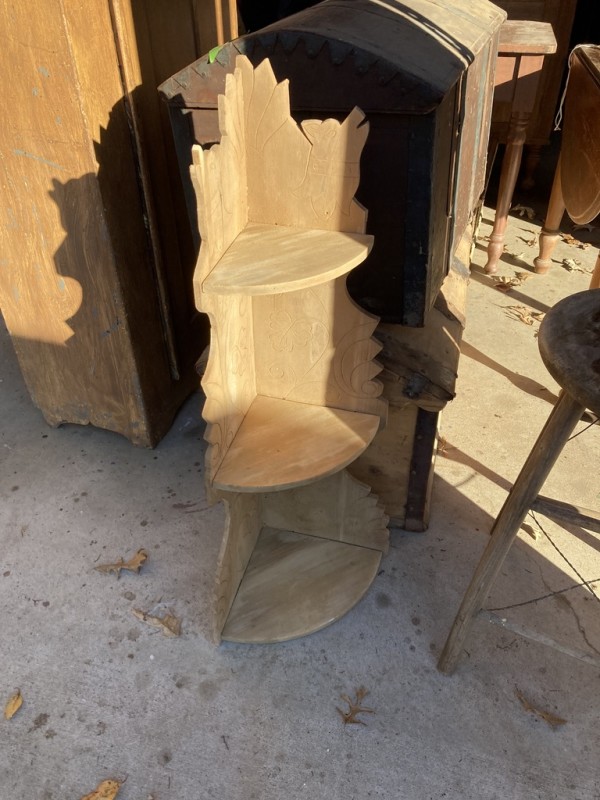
576,186
569,342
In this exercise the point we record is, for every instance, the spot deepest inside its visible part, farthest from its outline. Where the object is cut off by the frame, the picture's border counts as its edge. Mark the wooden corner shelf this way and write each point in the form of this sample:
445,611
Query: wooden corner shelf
269,259
291,398
296,584
282,444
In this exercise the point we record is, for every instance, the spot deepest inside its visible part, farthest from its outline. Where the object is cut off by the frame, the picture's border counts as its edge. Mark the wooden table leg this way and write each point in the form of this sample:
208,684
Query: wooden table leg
546,450
508,180
550,232
595,282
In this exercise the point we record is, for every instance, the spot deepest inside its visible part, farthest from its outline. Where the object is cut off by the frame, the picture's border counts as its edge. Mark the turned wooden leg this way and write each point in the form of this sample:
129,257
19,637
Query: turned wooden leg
533,155
508,180
550,232
546,450
595,281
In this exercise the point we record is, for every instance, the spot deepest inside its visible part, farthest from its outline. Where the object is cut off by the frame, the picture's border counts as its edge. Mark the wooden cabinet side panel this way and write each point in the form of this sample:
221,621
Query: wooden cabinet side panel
60,296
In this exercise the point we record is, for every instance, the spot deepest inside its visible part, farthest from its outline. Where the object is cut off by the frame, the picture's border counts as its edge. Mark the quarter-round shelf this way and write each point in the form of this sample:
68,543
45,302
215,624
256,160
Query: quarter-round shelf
271,259
282,444
296,584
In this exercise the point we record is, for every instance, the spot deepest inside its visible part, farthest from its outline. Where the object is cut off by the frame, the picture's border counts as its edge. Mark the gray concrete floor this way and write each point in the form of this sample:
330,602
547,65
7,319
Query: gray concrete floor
106,696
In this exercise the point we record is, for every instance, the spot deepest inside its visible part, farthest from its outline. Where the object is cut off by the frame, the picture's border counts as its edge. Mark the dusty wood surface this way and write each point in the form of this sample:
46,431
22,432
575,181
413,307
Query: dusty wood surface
281,444
295,585
526,37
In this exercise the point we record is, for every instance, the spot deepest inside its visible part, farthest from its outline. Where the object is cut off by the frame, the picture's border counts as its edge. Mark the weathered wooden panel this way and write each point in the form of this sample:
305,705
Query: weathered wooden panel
93,282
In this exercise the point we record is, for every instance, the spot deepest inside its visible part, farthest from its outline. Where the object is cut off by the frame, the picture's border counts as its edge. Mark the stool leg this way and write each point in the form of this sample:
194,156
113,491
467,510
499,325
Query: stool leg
540,461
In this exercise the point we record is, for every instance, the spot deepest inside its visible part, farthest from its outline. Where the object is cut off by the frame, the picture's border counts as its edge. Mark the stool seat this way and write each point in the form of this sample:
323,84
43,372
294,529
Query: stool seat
569,342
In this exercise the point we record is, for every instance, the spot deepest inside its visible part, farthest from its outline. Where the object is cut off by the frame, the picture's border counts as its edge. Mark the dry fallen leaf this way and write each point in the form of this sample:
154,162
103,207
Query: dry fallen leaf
572,265
569,239
354,707
133,565
505,284
443,446
526,315
547,716
107,790
13,705
587,227
522,210
168,624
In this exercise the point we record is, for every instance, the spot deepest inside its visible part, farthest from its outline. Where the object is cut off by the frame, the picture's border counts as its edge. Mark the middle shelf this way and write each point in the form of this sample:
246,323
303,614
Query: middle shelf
282,444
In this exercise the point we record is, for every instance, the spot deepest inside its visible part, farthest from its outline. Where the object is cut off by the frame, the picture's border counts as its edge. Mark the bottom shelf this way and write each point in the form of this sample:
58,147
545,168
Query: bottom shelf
296,584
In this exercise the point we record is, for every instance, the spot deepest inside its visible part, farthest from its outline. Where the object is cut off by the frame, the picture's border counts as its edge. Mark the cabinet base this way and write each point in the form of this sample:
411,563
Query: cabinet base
296,584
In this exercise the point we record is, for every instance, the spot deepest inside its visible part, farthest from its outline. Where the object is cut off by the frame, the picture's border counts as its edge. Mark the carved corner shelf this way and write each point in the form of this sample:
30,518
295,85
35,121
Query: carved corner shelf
291,395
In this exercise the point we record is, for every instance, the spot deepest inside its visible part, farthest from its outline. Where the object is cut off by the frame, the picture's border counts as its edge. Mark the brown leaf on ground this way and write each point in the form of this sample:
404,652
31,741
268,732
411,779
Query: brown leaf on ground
133,565
354,707
524,210
572,265
443,445
547,716
106,790
526,315
168,624
505,284
13,705
570,239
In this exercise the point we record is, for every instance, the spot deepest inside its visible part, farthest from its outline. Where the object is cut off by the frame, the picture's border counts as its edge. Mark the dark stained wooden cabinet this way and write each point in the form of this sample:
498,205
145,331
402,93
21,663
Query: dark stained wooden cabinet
422,72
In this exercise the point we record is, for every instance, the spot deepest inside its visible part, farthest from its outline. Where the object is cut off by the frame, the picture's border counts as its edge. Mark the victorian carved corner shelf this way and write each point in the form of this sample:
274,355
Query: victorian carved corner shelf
291,398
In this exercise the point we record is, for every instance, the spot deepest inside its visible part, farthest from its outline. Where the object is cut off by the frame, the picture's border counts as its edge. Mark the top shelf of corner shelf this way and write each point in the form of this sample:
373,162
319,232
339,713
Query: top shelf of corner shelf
271,259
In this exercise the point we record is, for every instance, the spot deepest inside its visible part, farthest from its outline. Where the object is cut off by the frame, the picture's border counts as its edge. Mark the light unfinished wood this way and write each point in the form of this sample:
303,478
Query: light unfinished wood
267,259
296,584
242,527
281,444
323,337
316,346
291,395
229,380
340,508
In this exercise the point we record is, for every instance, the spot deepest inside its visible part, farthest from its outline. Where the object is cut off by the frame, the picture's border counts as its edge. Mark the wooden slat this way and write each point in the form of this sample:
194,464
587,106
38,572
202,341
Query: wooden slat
566,512
281,444
268,259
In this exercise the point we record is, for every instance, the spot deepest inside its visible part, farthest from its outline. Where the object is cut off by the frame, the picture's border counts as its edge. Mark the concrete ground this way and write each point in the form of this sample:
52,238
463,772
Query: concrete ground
106,696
